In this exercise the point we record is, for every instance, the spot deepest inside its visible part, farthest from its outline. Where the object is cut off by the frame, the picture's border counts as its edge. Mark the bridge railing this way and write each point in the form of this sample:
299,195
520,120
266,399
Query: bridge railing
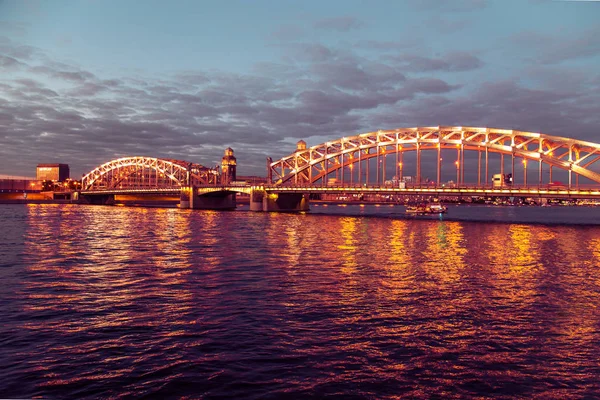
423,186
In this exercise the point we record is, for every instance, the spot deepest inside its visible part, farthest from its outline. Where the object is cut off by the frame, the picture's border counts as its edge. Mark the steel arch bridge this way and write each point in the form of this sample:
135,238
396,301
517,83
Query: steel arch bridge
344,156
147,173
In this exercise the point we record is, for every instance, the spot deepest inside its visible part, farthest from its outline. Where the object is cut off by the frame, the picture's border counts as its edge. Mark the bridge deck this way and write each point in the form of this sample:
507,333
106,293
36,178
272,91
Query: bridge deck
587,192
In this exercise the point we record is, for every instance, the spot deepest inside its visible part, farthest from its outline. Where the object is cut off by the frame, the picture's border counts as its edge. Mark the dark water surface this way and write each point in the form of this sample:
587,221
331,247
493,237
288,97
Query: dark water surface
100,302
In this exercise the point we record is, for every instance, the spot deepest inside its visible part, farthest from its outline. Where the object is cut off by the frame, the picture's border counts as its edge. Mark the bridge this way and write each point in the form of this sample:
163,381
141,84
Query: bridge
379,162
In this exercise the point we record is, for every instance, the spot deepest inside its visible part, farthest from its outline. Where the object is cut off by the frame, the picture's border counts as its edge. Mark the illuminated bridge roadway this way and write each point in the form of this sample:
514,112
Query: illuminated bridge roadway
372,163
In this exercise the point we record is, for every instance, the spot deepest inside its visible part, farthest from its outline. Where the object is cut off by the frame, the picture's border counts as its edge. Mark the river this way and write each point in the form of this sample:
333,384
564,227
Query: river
348,302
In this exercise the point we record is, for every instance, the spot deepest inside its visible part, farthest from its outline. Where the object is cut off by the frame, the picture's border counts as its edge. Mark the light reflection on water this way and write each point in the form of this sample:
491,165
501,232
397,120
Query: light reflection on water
107,301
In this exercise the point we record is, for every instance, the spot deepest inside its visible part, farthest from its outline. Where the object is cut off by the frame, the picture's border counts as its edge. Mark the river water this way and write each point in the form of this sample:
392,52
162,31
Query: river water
347,302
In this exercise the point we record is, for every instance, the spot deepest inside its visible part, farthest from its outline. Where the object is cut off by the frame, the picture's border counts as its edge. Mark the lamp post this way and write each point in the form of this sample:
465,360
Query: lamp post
525,172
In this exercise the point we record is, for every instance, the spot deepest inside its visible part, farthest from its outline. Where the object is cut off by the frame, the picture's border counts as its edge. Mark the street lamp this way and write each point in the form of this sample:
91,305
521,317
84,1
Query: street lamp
400,169
525,172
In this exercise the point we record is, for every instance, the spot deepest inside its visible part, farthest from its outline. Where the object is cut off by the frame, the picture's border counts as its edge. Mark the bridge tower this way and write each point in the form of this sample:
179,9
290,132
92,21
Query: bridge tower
228,167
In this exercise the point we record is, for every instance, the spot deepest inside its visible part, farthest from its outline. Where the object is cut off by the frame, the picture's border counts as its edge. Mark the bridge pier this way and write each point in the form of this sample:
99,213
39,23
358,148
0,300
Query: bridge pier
261,200
184,197
214,202
104,199
191,198
256,199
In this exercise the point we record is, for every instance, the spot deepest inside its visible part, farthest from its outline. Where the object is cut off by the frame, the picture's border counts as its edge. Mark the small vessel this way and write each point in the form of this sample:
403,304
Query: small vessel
428,208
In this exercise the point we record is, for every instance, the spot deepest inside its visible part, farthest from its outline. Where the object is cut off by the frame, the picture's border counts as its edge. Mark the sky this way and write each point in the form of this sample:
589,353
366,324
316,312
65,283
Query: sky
87,81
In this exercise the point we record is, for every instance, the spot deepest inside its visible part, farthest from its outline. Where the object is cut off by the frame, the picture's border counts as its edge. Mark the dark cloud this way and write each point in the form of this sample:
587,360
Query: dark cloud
87,89
506,104
340,24
193,78
51,111
74,76
7,62
347,74
429,85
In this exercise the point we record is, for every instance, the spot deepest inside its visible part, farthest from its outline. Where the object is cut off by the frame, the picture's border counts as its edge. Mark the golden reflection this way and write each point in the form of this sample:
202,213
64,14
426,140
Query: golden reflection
99,261
398,251
567,244
349,245
444,251
524,255
578,278
128,284
513,255
294,242
399,276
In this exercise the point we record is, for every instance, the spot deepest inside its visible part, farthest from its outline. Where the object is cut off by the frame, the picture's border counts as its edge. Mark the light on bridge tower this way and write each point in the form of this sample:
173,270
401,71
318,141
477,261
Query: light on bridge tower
301,145
228,167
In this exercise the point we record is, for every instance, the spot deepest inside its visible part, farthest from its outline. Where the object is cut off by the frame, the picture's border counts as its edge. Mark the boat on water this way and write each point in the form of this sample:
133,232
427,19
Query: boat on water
424,209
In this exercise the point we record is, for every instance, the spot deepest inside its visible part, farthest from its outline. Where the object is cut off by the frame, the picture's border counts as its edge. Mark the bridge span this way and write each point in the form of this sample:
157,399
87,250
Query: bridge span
397,161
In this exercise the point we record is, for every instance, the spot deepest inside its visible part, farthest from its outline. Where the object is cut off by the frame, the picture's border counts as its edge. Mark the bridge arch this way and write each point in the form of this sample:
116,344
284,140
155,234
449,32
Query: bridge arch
148,172
315,164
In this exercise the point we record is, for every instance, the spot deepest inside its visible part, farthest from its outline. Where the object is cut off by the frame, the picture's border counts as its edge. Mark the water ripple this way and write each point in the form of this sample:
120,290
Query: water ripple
132,302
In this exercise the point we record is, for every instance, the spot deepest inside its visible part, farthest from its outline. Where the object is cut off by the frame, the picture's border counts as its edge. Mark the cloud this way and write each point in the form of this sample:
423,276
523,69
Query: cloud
429,85
451,62
507,104
74,75
7,62
314,52
339,24
52,111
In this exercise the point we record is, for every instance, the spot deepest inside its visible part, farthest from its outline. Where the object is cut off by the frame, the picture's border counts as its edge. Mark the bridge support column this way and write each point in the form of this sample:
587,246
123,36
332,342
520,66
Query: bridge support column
214,202
286,202
103,199
256,199
261,200
185,197
190,198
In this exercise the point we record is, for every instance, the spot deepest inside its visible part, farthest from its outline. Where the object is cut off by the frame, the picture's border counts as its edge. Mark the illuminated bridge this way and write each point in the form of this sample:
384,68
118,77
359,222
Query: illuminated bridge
437,161
137,176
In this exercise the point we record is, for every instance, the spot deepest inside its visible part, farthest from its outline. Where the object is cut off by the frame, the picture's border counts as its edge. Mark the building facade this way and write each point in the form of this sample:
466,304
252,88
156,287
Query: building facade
228,167
53,172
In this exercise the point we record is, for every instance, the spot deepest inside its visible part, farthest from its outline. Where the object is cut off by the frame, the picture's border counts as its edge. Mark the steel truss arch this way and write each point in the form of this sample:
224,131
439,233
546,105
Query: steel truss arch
148,172
309,165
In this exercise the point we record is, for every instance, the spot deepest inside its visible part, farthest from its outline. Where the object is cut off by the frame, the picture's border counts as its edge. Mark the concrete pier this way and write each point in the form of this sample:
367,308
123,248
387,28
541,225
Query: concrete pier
190,198
260,200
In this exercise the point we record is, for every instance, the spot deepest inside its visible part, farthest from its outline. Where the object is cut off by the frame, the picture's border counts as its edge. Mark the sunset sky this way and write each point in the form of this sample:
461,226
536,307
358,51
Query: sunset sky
83,82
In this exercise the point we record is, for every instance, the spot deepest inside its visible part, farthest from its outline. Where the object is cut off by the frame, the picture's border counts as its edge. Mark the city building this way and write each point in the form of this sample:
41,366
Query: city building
19,185
53,172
